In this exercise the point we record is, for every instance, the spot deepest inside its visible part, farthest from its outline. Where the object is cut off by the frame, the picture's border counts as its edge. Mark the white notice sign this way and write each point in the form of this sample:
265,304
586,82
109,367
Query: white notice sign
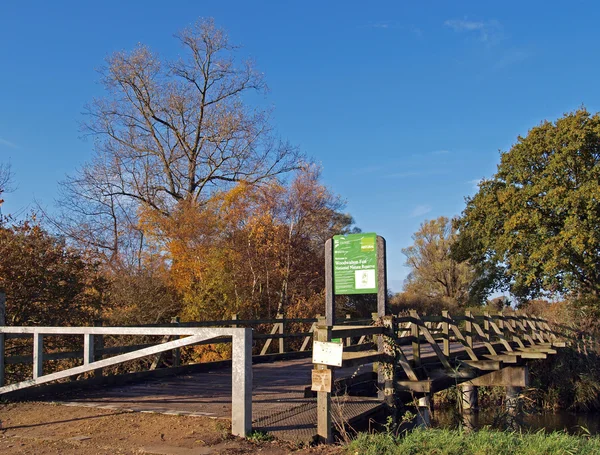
327,353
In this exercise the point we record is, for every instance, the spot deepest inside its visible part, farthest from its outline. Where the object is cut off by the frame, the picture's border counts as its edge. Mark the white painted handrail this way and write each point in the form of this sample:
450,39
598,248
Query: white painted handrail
241,377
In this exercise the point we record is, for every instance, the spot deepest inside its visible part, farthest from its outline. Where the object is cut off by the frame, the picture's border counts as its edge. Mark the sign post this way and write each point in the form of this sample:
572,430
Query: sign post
355,264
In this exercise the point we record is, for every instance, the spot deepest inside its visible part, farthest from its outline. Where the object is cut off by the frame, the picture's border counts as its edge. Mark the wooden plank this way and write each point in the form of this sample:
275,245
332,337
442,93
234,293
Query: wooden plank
356,331
504,358
350,359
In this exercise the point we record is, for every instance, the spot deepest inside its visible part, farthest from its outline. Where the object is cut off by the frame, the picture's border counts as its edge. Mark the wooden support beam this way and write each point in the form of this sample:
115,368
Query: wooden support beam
508,376
484,365
414,386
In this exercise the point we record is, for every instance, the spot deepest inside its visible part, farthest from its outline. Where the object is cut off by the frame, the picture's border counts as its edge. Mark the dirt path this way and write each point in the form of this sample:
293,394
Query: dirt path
45,428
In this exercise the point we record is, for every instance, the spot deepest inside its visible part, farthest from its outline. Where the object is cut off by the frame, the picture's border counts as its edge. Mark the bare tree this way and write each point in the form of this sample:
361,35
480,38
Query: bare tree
6,178
170,131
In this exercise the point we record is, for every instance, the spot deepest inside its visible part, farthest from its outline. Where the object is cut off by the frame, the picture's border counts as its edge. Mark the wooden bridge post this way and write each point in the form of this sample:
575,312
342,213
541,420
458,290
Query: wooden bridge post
415,335
424,411
2,337
348,339
446,333
469,328
387,370
468,393
324,429
486,325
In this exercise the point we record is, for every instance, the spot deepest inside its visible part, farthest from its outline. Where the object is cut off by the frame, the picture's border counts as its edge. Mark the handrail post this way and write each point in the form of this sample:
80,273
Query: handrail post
98,347
176,353
88,348
469,328
486,325
241,382
446,333
281,331
2,337
38,355
348,339
416,342
388,371
324,429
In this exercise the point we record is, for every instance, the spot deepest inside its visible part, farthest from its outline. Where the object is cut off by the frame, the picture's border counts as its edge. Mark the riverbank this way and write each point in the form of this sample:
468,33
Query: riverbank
483,442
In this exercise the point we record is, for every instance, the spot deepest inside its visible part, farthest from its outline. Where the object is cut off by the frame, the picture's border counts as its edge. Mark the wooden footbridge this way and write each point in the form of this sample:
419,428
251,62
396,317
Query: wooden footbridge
267,383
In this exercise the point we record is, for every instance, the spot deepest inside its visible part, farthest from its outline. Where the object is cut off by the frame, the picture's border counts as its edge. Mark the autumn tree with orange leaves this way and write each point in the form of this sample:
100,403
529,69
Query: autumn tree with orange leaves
255,249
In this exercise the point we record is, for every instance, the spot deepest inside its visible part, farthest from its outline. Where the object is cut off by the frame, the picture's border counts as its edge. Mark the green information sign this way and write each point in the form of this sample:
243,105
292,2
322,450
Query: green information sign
355,264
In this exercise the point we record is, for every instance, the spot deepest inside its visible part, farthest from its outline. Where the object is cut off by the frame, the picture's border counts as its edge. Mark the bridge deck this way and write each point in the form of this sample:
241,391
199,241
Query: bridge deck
279,405
278,402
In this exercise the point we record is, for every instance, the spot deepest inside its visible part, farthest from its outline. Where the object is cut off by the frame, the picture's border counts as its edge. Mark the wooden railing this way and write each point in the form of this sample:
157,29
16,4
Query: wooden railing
270,337
414,351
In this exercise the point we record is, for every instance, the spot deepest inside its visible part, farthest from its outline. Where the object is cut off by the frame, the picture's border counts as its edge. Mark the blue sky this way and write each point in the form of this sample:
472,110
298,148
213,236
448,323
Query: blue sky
405,105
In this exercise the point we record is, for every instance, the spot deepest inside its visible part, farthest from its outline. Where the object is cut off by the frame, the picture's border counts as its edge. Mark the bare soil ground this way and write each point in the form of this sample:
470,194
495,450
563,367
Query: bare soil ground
45,428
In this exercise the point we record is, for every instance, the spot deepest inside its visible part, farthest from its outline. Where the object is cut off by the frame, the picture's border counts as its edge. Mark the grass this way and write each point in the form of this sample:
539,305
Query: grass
483,442
259,436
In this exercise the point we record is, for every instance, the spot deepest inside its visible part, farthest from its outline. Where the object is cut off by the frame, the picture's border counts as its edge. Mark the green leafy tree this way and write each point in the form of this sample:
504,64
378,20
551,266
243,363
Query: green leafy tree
534,227
434,272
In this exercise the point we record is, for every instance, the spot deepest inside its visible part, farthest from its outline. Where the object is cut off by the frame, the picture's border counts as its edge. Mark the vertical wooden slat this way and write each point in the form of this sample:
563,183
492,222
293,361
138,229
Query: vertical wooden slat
446,333
38,355
469,328
281,332
486,325
348,339
176,353
416,342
